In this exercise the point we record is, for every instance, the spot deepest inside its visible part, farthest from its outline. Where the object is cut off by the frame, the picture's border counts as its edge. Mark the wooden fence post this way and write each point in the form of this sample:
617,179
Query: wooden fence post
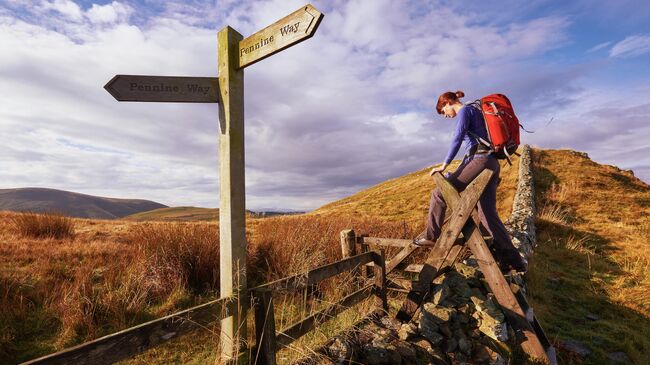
264,328
379,268
232,211
349,248
348,243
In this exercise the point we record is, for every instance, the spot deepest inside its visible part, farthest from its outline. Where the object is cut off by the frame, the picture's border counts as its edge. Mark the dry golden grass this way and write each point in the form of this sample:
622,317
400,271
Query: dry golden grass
593,227
114,274
44,225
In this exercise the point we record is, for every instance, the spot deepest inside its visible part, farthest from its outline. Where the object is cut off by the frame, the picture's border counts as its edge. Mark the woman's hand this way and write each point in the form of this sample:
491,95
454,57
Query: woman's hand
438,169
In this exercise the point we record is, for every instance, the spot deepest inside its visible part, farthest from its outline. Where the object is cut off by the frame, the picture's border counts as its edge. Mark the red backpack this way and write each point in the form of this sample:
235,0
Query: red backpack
501,123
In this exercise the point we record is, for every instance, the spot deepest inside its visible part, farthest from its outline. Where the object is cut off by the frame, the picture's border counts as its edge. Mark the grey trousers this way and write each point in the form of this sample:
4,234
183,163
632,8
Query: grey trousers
505,251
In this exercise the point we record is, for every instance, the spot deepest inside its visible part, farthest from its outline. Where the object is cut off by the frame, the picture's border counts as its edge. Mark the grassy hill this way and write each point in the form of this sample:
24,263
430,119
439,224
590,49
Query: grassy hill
71,204
406,198
589,278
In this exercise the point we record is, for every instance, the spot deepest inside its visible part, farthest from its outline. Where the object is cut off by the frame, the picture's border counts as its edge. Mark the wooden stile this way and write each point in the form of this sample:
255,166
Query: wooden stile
438,254
530,343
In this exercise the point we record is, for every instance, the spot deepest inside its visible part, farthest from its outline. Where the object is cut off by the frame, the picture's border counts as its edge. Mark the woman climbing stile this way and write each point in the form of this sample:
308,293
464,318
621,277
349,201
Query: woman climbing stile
478,157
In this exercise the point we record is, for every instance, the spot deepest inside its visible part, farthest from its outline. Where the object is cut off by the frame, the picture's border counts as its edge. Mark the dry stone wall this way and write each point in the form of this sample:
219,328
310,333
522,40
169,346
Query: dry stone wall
521,223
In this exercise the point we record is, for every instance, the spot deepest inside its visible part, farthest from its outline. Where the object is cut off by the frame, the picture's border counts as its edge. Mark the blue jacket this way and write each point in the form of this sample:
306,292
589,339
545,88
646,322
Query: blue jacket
469,119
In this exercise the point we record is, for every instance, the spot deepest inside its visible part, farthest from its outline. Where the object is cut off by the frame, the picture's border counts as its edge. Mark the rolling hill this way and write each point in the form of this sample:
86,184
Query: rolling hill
177,214
406,198
71,204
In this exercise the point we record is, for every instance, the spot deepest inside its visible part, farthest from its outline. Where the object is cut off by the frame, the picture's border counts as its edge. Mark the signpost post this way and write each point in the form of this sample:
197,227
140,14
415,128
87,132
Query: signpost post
235,53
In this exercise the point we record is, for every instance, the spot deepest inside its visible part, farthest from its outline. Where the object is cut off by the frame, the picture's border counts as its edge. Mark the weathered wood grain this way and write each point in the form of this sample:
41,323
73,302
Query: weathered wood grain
168,89
264,328
400,257
232,192
380,279
317,275
286,32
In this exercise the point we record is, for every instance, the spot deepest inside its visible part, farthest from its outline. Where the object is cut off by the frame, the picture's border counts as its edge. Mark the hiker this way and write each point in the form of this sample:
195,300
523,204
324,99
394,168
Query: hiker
471,125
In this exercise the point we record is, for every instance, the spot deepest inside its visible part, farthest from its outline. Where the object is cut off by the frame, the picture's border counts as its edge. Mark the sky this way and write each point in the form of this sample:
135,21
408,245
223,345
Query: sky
349,108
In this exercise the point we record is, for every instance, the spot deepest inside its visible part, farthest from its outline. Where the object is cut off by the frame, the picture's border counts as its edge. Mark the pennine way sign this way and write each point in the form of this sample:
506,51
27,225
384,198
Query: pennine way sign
292,29
168,89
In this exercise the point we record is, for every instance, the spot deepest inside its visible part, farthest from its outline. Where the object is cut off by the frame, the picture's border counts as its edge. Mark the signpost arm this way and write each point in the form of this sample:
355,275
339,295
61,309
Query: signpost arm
232,218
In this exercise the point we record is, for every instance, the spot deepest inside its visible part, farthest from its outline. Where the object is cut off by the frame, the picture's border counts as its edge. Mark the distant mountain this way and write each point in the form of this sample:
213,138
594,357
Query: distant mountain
197,214
72,204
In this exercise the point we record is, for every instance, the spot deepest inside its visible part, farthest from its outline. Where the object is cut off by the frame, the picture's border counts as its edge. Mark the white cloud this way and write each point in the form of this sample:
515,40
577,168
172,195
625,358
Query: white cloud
67,8
631,46
348,108
598,47
109,13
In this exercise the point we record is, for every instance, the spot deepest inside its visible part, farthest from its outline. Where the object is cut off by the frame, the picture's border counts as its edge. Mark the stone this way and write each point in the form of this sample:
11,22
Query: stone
574,346
434,337
406,351
435,356
408,331
468,271
445,330
438,313
449,345
440,293
485,355
390,322
340,351
465,346
380,355
490,319
592,317
618,358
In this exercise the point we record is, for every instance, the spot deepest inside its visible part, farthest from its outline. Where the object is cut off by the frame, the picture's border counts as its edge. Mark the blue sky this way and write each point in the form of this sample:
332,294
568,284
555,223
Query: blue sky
348,108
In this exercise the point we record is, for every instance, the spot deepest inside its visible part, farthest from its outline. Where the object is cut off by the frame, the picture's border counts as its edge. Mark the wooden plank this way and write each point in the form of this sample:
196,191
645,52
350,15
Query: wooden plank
530,343
131,341
380,279
297,330
317,275
400,283
392,242
286,32
264,328
169,89
438,254
412,268
232,211
401,256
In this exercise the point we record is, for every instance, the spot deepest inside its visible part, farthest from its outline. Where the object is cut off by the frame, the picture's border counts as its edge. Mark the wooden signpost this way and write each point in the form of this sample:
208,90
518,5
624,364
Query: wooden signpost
292,29
170,89
235,53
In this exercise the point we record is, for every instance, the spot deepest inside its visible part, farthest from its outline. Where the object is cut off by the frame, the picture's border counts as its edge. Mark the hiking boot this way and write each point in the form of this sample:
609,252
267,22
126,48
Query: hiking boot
423,242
